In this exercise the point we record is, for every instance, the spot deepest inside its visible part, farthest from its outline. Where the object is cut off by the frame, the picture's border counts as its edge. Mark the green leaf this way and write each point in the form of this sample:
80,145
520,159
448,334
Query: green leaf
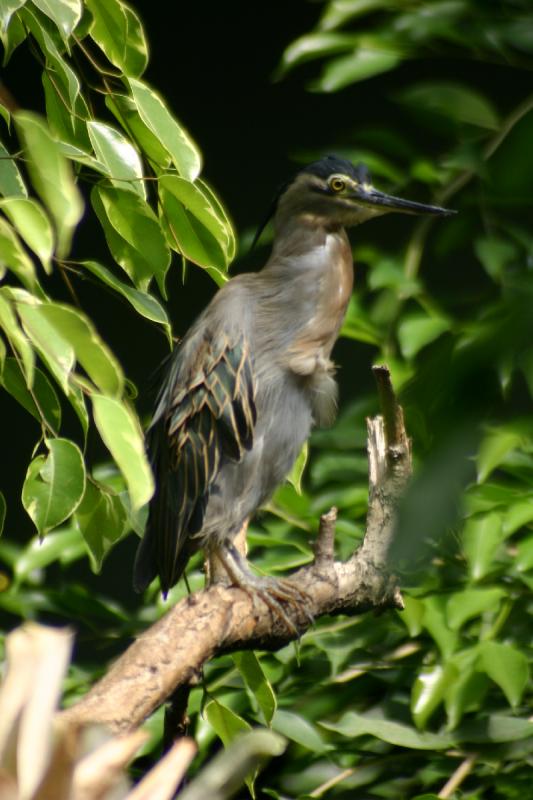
13,256
41,401
429,690
426,797
133,234
193,225
470,603
297,471
186,236
452,100
16,336
482,538
413,615
316,45
54,485
524,555
63,546
495,254
519,513
121,433
337,14
493,449
145,304
64,335
65,13
76,399
54,349
167,129
66,117
118,31
15,35
468,690
225,722
352,725
11,182
119,156
253,676
494,728
490,496
388,273
51,176
102,520
507,666
418,330
229,238
436,623
7,9
33,225
365,62
125,111
357,325
66,108
298,729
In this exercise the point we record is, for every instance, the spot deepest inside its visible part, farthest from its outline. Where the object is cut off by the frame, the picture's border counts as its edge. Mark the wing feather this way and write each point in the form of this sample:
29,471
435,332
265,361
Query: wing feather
205,416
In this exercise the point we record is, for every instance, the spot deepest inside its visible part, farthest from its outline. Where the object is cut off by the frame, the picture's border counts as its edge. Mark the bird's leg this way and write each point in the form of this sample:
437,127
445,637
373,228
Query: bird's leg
216,571
274,592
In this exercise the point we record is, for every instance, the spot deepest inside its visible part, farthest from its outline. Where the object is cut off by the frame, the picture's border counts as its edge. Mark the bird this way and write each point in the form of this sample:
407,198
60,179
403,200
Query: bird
253,376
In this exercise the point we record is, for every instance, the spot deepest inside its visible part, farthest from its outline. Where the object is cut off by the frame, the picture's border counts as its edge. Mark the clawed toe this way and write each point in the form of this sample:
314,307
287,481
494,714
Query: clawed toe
298,598
275,593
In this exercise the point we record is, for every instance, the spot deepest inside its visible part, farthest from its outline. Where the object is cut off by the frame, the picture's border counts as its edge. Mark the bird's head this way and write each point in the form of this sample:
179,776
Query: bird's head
332,191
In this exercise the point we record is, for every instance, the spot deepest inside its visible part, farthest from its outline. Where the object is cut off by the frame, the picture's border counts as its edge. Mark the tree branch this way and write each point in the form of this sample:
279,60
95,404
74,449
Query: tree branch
221,619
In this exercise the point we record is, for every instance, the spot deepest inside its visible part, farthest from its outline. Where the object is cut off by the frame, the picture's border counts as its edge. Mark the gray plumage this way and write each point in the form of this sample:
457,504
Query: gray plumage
253,374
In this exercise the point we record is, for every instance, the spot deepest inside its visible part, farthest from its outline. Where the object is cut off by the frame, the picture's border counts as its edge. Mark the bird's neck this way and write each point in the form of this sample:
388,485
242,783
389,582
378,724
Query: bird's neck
302,234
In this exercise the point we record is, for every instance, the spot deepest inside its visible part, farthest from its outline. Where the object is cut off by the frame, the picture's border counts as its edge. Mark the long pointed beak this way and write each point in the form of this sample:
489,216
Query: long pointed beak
372,197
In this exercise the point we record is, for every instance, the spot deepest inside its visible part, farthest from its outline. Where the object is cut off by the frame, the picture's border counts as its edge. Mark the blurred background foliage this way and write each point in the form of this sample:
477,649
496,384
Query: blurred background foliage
104,206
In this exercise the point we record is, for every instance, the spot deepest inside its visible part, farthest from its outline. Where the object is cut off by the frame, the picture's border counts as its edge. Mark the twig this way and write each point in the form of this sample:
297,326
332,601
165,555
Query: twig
463,771
176,720
329,784
325,541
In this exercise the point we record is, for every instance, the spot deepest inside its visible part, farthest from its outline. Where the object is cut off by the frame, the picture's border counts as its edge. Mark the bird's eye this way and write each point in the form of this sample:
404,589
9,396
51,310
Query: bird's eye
337,184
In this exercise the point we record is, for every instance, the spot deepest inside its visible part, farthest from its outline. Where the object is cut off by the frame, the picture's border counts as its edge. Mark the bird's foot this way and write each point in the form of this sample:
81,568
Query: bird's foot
274,592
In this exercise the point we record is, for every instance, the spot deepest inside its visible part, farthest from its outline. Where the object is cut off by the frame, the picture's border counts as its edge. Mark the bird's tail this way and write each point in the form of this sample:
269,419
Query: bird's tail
162,551
145,566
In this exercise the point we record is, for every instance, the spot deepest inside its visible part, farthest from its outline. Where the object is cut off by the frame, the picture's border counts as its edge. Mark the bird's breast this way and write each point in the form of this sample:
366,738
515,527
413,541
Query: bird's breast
332,276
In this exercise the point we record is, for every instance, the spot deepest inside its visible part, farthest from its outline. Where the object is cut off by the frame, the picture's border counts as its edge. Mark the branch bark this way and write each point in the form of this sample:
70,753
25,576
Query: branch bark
222,619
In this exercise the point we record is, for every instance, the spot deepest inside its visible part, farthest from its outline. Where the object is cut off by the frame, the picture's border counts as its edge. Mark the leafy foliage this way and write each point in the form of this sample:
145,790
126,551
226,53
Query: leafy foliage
378,707
149,200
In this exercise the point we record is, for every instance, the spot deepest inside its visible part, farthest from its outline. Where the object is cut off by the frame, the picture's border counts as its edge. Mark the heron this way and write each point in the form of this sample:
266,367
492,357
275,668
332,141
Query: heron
252,377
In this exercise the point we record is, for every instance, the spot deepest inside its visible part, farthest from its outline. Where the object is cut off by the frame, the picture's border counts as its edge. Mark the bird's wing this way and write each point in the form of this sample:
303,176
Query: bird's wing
206,415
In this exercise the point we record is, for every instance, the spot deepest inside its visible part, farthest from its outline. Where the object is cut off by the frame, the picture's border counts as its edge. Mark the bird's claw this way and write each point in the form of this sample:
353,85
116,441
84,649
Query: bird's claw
274,592
278,592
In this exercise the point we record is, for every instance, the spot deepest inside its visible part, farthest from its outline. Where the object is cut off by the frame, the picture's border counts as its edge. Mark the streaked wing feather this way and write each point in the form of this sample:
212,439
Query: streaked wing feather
208,416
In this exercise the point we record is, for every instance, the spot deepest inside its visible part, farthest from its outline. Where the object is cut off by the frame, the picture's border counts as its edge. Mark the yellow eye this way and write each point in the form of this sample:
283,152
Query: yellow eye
337,184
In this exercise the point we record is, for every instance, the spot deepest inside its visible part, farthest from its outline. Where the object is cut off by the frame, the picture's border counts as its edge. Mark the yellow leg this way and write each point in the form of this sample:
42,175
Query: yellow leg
214,569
